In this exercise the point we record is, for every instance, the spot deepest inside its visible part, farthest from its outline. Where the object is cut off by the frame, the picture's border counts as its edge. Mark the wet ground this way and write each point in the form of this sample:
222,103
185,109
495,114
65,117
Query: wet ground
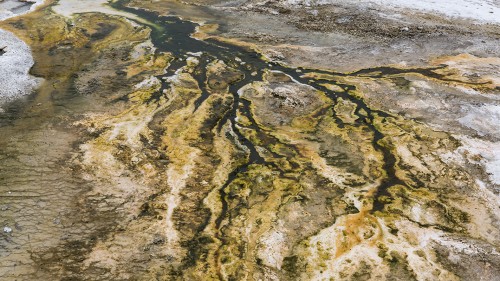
16,7
170,150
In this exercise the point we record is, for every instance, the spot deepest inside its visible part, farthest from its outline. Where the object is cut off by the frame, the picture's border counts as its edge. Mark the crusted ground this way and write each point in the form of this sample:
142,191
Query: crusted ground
163,157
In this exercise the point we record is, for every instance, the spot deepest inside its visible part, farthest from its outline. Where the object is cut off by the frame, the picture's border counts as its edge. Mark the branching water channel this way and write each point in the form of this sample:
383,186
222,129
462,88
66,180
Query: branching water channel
160,156
174,35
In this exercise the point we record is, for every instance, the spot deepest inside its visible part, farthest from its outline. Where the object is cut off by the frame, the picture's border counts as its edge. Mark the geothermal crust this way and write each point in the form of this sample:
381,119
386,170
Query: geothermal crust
281,140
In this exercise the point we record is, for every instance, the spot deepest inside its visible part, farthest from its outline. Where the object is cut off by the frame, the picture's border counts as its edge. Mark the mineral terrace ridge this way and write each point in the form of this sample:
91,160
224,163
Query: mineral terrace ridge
250,140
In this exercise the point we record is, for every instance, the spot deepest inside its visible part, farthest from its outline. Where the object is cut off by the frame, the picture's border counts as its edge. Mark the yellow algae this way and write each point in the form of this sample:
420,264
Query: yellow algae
333,87
322,76
204,31
475,72
345,110
156,62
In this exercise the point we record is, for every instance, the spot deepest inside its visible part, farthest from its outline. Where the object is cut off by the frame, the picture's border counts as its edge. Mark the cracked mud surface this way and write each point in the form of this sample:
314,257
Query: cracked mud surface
158,148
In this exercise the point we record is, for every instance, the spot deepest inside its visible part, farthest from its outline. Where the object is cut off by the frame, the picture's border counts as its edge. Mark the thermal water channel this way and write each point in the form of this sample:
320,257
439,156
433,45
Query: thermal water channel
39,190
